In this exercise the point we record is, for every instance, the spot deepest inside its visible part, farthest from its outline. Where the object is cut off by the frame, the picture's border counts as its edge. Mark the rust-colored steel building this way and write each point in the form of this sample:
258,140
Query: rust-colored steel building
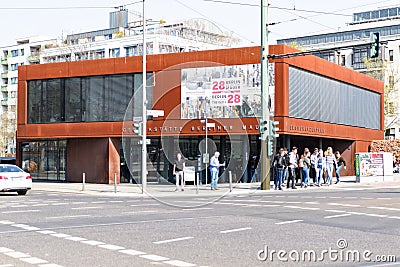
77,117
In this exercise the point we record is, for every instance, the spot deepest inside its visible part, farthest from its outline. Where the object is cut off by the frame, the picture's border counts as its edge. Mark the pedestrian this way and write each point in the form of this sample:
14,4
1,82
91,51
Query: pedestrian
341,163
179,165
279,163
214,169
313,168
320,167
306,168
286,169
330,163
293,164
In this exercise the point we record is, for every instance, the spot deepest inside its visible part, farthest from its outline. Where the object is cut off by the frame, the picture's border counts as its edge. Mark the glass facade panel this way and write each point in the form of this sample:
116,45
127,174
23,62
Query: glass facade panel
45,160
314,97
94,98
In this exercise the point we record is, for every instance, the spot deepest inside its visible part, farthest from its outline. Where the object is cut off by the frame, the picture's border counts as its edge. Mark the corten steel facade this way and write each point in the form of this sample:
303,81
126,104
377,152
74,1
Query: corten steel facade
88,145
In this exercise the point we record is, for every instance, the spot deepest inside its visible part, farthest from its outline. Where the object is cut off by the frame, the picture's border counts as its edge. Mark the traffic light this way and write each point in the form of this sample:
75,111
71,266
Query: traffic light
270,147
375,45
137,128
263,126
273,129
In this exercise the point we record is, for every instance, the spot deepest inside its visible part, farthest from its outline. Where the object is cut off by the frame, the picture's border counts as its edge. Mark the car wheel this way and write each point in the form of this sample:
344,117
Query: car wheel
22,192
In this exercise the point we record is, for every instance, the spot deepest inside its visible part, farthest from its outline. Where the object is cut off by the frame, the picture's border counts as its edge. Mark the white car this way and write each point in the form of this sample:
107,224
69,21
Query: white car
14,179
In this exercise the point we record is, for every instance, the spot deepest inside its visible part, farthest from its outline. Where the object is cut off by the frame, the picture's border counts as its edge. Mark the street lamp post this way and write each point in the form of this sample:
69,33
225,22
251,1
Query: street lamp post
205,121
265,107
144,111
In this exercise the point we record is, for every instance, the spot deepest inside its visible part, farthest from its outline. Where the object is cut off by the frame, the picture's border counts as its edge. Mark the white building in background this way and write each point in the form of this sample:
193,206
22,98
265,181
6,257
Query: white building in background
351,45
124,39
25,51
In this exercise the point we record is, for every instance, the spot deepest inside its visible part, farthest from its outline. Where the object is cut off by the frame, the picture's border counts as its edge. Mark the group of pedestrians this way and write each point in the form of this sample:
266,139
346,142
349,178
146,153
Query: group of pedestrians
289,166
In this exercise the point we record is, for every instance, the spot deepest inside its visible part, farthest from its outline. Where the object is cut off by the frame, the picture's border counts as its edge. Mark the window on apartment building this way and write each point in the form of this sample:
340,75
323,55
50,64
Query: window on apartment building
115,52
14,53
12,94
22,52
343,60
390,55
14,80
14,66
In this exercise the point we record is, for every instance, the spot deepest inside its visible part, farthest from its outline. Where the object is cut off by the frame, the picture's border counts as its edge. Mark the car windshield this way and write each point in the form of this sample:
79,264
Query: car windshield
10,169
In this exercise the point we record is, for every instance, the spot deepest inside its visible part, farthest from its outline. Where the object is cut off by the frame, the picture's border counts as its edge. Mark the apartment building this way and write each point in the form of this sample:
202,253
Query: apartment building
26,51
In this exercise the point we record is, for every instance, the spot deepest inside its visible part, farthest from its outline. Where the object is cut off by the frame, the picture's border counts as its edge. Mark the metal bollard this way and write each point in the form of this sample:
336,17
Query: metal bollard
83,181
115,183
230,181
197,183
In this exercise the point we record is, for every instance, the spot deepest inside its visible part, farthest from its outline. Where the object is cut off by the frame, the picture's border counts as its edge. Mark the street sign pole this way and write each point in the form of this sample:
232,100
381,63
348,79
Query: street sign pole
265,107
144,111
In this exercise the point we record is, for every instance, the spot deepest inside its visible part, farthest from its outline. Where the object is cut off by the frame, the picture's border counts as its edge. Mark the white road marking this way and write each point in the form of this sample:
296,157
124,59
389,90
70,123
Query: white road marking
70,216
50,265
40,205
142,211
287,222
46,232
384,198
356,213
337,211
343,205
145,205
115,201
60,235
33,260
173,240
59,204
79,202
199,209
6,265
111,247
19,206
98,202
132,252
336,216
75,238
154,257
179,263
302,208
86,208
19,211
271,205
3,250
17,255
235,230
19,225
384,208
394,217
93,242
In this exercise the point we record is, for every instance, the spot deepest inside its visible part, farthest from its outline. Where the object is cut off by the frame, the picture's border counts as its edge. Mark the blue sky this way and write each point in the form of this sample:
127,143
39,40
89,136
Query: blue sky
240,20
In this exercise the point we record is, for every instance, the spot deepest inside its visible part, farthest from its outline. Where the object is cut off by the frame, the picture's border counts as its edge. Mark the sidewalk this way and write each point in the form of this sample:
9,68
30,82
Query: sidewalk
162,190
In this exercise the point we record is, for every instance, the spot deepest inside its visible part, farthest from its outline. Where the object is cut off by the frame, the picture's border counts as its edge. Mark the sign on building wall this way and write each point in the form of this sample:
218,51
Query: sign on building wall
222,91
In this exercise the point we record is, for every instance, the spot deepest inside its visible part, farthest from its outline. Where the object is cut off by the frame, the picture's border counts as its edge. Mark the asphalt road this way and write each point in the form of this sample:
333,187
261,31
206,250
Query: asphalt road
261,229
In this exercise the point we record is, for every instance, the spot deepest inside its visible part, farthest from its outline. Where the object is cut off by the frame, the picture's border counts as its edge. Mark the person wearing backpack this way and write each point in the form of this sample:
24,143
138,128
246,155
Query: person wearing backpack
279,163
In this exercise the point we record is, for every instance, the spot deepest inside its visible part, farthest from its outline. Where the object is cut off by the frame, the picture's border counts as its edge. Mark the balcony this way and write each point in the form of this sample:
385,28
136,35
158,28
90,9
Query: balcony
4,61
4,75
34,58
4,102
4,88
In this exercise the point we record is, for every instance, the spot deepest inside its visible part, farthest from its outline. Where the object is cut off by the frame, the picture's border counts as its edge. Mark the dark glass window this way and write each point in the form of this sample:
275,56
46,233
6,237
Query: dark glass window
94,98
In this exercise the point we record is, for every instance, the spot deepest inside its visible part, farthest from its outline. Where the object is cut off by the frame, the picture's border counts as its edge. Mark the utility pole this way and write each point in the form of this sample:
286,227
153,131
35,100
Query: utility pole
265,107
144,110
